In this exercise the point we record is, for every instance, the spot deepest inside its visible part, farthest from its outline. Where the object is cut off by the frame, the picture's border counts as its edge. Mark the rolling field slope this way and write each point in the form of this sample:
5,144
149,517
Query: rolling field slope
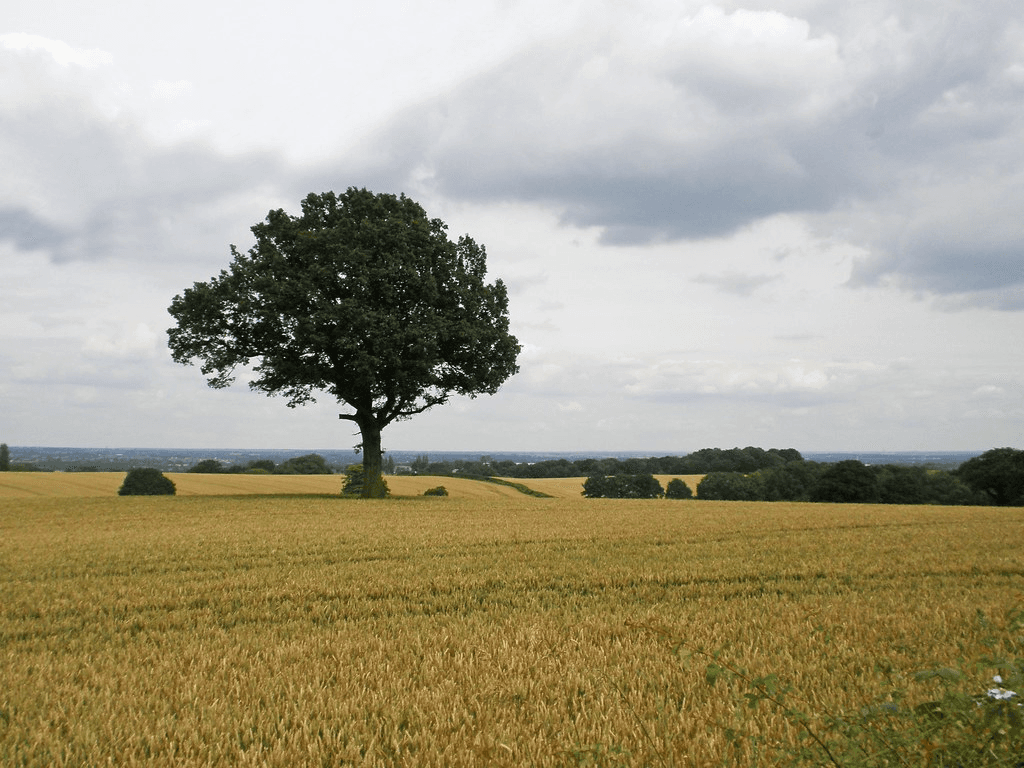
572,487
85,484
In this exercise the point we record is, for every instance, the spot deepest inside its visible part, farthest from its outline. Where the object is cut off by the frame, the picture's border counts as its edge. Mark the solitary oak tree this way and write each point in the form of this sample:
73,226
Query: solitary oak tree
363,297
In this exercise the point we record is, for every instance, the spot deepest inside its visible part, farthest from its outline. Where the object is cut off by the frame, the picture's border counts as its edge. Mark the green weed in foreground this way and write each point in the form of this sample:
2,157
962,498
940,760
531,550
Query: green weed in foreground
946,717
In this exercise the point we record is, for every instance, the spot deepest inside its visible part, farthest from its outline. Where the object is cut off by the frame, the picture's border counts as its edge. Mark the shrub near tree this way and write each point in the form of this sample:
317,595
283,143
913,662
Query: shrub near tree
146,482
355,477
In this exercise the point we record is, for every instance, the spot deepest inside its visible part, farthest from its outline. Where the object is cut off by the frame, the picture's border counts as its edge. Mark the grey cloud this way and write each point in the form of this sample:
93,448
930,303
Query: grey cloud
735,282
27,231
721,119
81,185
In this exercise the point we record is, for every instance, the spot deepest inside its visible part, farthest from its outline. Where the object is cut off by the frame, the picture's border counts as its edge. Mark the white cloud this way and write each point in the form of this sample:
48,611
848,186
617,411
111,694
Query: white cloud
670,379
58,50
141,342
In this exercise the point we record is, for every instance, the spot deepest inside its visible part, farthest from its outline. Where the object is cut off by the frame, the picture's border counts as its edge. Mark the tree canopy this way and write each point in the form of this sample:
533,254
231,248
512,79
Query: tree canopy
362,297
998,473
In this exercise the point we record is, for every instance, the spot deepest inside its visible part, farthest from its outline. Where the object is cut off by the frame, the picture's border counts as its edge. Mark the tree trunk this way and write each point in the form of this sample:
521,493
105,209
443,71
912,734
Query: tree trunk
373,482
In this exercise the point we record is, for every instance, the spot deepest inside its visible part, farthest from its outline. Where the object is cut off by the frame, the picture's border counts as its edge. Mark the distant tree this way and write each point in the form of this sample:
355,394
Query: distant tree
362,296
420,464
310,464
946,488
847,482
594,487
388,467
146,482
262,464
5,458
898,484
678,489
731,486
999,473
623,487
208,467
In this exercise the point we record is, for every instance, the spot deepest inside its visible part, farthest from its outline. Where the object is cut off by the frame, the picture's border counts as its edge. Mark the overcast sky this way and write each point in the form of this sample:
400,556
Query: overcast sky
782,223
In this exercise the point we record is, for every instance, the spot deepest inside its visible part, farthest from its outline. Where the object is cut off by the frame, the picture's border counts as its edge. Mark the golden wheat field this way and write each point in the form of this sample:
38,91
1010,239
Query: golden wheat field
78,484
498,629
24,484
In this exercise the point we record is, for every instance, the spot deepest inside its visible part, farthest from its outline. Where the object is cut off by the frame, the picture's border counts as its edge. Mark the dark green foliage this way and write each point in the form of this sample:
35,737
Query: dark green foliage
700,462
264,465
848,482
731,486
5,458
623,487
793,481
998,473
678,489
947,488
208,467
438,491
355,479
785,476
902,485
745,460
146,482
310,464
363,297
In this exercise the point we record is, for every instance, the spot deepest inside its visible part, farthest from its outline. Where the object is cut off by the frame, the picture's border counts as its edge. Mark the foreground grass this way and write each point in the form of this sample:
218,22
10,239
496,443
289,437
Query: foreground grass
321,631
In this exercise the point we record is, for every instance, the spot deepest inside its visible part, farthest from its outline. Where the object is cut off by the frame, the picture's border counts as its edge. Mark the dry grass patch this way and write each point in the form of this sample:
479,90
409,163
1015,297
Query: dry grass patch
458,632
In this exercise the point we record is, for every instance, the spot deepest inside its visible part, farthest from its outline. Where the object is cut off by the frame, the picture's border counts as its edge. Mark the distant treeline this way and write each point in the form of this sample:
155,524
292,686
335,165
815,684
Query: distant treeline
847,481
310,464
700,462
994,478
755,474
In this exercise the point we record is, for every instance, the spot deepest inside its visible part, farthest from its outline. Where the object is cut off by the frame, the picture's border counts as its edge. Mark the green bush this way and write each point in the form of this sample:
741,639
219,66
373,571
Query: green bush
146,482
678,489
438,491
355,476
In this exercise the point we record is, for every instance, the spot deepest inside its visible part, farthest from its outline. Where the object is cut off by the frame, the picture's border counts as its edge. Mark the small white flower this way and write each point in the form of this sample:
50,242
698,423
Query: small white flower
1000,694
997,679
